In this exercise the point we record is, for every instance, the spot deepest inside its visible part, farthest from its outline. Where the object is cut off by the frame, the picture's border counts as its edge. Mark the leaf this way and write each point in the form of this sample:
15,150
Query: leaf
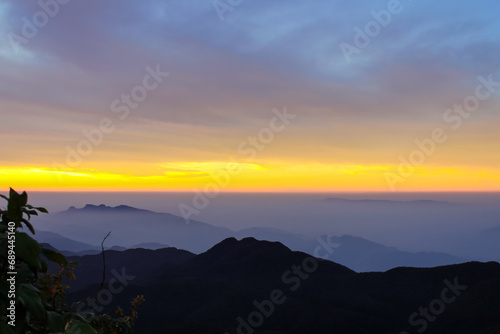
28,249
14,212
23,198
37,208
56,321
30,212
4,197
54,256
42,210
29,296
81,316
13,194
28,224
80,328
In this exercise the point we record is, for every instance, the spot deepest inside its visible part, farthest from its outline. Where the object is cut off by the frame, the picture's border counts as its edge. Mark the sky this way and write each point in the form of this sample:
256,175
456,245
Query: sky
249,95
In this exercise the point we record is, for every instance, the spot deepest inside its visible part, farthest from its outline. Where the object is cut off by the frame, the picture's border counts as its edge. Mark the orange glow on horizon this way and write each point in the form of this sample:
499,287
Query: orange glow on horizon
275,178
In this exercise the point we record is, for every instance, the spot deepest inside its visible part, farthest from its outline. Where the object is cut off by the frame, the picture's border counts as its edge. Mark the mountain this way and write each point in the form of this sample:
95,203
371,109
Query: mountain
477,244
150,245
63,243
336,200
233,258
138,262
105,209
494,230
356,253
363,255
131,226
292,240
252,286
137,228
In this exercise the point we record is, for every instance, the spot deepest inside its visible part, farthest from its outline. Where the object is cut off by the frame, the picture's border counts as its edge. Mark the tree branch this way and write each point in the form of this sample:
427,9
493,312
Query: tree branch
103,261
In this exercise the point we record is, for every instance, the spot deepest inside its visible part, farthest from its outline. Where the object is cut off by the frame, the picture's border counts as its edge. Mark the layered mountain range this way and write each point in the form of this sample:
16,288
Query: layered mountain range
80,231
251,286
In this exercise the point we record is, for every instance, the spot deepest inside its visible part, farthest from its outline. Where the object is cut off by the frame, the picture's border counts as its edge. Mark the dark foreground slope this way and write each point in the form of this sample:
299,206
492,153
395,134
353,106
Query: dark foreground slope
252,286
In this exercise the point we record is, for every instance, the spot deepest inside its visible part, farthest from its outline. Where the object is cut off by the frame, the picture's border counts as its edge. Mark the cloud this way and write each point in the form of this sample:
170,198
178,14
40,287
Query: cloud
227,76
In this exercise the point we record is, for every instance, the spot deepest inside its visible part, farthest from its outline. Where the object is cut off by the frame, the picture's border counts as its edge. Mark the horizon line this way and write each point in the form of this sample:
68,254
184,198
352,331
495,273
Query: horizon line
266,191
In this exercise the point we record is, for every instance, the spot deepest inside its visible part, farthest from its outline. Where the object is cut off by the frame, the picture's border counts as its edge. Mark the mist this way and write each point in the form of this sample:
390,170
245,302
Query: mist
454,223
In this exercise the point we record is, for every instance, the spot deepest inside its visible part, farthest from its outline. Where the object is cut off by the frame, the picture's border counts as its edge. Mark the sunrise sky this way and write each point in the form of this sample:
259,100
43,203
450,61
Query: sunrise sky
263,100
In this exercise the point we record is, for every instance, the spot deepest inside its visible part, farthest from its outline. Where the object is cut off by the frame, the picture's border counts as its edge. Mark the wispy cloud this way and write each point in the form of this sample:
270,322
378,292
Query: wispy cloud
227,76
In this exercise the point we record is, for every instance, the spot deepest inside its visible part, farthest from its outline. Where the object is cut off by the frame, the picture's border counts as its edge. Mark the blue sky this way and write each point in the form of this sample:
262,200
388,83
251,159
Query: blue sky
227,75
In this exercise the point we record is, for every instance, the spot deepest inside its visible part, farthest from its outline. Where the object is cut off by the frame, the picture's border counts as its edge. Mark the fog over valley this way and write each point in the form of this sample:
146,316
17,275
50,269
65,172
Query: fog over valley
462,225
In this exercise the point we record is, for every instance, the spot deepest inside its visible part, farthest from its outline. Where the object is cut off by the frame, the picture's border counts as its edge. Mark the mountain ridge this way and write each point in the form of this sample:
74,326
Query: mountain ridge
158,229
384,201
209,293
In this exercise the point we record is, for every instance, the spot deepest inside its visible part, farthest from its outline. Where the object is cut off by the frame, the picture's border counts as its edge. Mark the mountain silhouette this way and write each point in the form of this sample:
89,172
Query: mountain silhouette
217,292
132,228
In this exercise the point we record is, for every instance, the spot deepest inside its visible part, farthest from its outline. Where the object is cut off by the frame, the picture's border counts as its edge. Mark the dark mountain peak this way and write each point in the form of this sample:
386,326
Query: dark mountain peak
226,243
248,258
105,208
95,207
246,245
231,253
89,207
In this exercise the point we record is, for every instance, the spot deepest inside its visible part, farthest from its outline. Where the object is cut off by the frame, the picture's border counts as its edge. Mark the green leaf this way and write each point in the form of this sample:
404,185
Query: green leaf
54,256
80,328
24,272
29,296
56,322
28,249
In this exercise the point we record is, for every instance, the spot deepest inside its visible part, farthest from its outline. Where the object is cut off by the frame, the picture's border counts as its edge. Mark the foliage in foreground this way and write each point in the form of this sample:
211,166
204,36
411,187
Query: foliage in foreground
40,296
